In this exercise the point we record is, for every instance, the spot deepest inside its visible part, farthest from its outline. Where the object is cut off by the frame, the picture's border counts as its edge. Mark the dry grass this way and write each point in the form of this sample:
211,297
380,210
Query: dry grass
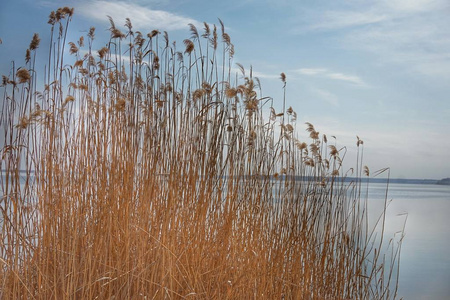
153,175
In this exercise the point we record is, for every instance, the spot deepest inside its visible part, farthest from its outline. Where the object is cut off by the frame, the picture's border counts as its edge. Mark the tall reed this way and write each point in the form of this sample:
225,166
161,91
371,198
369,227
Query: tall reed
141,170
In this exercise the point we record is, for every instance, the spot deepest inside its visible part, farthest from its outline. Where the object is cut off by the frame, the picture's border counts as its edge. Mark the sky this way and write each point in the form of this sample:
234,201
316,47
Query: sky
379,70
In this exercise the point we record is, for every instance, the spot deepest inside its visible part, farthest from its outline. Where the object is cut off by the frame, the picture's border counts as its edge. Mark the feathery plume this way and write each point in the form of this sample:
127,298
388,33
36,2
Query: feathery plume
310,127
222,26
213,40
359,141
27,56
81,41
366,171
115,33
24,75
52,18
194,31
153,33
333,150
156,62
207,30
73,48
283,78
128,24
68,11
189,46
102,52
35,42
91,33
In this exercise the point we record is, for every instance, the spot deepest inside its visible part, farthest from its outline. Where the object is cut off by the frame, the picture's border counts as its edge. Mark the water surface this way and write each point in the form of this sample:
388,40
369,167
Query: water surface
425,256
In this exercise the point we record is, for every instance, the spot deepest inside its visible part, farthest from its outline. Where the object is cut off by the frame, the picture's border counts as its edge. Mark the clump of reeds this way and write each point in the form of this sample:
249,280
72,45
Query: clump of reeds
142,170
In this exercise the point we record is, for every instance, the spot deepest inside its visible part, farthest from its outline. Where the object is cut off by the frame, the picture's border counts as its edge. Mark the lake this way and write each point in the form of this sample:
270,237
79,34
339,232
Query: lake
425,256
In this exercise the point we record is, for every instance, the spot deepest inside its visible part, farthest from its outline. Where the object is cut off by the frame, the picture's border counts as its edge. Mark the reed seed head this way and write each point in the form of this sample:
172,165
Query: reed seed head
128,24
73,48
23,122
5,80
35,42
333,150
153,33
366,171
194,31
23,75
207,31
289,111
91,33
52,18
189,46
359,141
28,56
289,128
102,52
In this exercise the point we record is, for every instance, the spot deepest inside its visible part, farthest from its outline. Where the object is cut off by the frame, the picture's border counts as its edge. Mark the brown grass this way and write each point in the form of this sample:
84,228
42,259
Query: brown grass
145,172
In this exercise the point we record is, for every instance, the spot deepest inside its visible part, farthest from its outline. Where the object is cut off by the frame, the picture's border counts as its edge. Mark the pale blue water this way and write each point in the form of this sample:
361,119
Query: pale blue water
425,256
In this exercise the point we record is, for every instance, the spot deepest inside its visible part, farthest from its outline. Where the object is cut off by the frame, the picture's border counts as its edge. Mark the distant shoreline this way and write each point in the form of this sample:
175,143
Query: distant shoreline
444,181
396,180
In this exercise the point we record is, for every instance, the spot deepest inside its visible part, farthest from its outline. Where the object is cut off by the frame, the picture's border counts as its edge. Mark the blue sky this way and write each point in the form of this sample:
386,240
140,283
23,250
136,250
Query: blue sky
376,69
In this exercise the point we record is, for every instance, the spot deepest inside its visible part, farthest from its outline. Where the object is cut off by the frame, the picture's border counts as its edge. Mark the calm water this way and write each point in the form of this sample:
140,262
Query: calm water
425,256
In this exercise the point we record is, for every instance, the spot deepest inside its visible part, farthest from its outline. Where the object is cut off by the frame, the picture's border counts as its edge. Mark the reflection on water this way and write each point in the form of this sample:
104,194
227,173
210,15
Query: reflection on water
425,260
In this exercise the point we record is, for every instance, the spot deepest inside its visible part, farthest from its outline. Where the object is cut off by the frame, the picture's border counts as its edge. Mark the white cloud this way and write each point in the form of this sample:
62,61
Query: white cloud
312,71
413,5
342,19
140,16
420,43
236,71
349,78
412,33
373,13
322,72
265,75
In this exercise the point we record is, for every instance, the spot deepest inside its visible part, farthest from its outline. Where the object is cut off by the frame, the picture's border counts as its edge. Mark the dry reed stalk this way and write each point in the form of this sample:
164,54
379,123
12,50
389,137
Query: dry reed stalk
158,177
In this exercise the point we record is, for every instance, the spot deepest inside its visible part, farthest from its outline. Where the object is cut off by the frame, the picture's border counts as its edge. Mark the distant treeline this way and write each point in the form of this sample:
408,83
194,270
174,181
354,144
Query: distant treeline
362,179
445,181
395,180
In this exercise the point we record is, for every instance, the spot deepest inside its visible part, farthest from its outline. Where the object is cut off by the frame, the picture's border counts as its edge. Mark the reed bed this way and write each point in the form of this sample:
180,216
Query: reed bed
145,171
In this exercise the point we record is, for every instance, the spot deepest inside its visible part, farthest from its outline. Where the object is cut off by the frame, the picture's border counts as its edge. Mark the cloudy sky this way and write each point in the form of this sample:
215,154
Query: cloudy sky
376,69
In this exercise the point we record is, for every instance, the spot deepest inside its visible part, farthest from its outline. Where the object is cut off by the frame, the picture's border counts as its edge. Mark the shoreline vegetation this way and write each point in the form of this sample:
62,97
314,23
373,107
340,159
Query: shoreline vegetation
156,171
444,181
348,179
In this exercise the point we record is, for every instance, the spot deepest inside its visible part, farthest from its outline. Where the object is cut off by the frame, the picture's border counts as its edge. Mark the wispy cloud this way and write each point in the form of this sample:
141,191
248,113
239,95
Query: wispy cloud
349,78
343,19
313,71
411,33
141,16
414,6
421,43
248,71
373,12
322,72
266,75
